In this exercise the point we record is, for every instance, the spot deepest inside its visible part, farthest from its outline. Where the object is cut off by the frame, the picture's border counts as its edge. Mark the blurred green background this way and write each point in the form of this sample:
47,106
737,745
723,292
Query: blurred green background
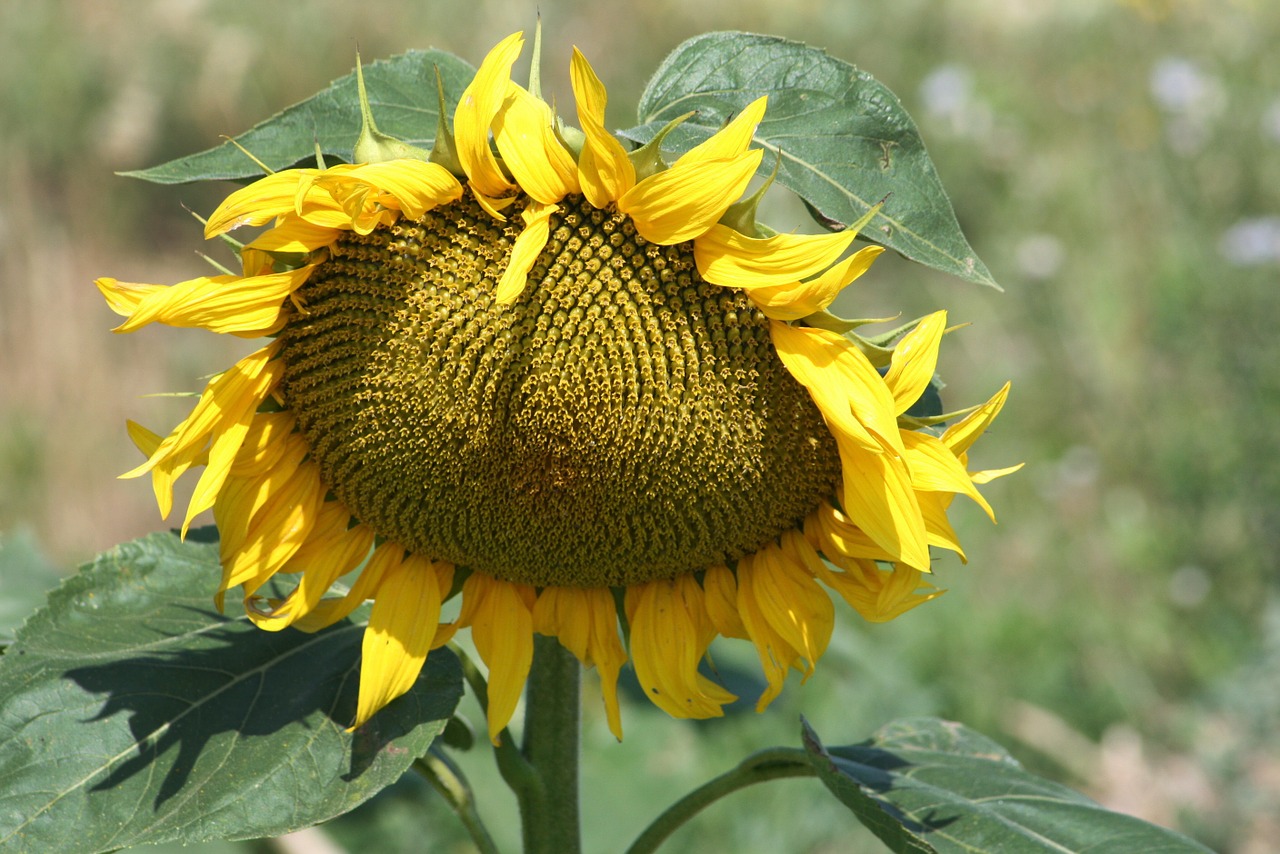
1117,166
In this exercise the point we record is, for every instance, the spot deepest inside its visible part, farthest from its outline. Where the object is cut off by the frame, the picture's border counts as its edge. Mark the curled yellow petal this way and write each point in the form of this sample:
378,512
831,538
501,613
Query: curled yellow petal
914,360
604,170
410,186
733,260
721,589
670,632
788,616
935,468
386,559
474,116
959,437
524,133
683,202
878,498
801,299
259,202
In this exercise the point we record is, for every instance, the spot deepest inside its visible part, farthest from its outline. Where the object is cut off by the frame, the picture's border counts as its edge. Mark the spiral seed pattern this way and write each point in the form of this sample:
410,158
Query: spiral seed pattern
622,421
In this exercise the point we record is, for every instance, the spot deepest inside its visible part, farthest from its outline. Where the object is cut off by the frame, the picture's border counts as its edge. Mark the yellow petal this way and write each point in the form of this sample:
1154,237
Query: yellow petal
224,401
529,245
933,506
847,389
721,589
604,170
959,437
832,533
934,468
402,625
293,234
226,304
167,472
733,260
500,615
476,110
332,550
731,140
124,297
683,202
670,632
410,186
586,623
788,616
879,595
526,139
878,498
277,530
914,360
800,299
259,202
386,558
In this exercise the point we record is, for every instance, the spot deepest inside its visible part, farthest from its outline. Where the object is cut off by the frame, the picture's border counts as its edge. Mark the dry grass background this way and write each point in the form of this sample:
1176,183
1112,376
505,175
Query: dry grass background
1116,164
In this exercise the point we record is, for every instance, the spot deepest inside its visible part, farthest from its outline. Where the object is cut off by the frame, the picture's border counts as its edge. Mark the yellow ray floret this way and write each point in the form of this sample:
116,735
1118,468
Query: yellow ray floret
586,623
477,108
500,615
605,172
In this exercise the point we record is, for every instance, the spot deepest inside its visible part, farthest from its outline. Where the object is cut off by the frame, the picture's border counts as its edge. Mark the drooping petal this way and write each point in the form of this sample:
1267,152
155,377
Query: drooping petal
800,299
733,260
959,437
529,245
386,558
278,529
683,202
934,468
167,472
293,234
832,533
250,306
410,186
788,616
402,626
225,399
332,550
259,202
914,360
605,172
721,589
500,615
526,139
846,388
585,621
474,116
878,498
877,594
670,632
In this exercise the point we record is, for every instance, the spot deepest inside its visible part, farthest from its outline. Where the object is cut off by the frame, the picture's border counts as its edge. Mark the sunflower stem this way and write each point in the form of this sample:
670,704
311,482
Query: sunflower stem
549,810
776,763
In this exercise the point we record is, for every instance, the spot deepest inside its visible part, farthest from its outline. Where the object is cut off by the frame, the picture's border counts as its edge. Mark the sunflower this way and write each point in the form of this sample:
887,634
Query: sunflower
570,383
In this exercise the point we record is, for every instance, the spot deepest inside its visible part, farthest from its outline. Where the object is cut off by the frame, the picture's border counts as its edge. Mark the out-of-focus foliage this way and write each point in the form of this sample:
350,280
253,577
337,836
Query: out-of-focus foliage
1115,164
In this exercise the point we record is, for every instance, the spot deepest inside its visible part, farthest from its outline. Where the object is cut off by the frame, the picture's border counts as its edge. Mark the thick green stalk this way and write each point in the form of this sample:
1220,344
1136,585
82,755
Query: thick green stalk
549,810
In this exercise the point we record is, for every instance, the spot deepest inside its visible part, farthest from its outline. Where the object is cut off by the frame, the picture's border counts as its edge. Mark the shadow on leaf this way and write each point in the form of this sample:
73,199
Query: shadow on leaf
230,696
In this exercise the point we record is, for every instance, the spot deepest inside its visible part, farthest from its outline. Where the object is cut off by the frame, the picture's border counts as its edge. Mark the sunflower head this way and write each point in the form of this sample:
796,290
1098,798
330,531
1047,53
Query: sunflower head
572,383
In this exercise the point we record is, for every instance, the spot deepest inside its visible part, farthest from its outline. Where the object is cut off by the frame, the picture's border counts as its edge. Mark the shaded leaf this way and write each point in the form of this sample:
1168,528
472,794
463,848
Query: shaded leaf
402,92
844,139
132,712
946,788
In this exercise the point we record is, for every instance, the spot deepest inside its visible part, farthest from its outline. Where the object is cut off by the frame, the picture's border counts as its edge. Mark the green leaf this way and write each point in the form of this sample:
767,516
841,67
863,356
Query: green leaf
402,92
845,140
923,784
26,576
132,712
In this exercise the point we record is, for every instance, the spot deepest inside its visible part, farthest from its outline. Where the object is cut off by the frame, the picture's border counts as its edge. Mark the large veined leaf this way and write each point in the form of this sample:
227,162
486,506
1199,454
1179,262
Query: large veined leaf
402,93
941,787
132,712
842,140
